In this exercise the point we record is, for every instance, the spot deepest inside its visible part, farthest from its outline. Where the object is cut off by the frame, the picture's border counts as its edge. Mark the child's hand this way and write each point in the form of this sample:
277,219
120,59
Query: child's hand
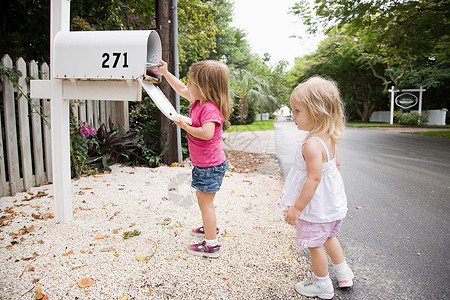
182,123
163,68
292,215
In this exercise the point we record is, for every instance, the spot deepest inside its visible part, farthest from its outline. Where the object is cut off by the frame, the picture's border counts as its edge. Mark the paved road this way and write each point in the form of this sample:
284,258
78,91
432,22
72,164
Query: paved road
397,231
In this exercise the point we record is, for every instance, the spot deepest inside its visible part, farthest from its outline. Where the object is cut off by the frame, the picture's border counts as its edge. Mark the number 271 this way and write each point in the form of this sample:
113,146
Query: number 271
116,58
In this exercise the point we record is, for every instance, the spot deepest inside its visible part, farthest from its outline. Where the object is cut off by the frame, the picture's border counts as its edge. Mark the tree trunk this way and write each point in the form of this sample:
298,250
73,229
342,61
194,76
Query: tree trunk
243,111
168,131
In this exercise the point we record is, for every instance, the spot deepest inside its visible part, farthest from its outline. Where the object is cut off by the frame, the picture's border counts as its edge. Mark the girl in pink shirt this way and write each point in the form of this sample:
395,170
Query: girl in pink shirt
208,90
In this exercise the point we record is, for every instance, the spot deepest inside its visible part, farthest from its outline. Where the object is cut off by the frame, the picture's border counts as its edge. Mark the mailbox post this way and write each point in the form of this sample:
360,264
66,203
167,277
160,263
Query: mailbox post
94,65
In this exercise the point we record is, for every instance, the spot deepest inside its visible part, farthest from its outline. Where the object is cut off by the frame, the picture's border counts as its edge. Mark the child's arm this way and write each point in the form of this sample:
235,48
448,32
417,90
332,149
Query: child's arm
206,132
312,152
174,82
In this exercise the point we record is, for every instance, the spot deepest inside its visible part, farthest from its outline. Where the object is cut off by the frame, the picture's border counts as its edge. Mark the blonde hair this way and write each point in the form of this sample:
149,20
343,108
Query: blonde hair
322,100
213,80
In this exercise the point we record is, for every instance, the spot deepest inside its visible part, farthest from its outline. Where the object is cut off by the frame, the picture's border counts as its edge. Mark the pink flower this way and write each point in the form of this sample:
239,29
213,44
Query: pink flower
85,132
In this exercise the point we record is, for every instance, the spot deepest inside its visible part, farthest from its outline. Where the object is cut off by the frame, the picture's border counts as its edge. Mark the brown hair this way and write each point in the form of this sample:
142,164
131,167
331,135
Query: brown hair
213,80
323,103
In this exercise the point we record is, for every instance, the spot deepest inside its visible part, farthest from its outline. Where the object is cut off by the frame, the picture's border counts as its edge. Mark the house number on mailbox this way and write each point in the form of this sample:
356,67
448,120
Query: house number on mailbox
107,56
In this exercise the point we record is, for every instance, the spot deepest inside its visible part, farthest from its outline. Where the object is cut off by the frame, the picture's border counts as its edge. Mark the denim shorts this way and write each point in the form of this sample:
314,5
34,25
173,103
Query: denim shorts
312,235
208,179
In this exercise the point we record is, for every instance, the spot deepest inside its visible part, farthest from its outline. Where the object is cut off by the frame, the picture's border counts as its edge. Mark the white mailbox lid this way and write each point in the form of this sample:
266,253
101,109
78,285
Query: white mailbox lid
101,55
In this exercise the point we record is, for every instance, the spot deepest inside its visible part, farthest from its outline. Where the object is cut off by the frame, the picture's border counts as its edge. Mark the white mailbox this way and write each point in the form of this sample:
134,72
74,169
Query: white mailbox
105,55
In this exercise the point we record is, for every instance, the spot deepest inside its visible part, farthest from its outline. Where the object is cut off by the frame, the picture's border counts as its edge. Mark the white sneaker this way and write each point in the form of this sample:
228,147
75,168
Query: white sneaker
311,287
345,278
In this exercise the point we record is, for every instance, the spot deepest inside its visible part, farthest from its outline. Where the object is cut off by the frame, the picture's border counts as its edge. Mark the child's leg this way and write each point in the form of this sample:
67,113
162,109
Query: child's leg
206,204
319,261
334,250
319,284
343,272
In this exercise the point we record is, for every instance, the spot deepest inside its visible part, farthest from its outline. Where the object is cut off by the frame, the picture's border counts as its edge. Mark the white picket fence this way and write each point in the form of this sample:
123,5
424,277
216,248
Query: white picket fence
25,138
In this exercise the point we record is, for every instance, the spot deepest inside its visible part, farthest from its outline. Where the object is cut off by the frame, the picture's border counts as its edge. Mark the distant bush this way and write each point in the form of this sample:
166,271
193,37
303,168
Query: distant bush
410,118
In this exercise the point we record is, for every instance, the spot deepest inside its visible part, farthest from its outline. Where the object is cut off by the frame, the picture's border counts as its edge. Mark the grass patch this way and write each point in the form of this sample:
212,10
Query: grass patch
362,124
441,134
257,125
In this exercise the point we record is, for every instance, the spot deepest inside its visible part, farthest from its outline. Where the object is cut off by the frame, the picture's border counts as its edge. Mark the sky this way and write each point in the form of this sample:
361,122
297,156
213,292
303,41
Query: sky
269,26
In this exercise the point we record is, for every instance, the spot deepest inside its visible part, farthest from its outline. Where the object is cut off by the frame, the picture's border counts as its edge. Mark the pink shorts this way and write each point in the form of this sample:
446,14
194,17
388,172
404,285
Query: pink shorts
312,235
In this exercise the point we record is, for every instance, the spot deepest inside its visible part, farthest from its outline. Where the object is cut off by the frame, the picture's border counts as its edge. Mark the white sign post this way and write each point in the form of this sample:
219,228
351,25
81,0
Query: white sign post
393,91
94,65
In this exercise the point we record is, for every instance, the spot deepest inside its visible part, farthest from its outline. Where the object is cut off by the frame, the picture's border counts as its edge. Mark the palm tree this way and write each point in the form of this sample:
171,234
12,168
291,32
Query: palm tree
251,90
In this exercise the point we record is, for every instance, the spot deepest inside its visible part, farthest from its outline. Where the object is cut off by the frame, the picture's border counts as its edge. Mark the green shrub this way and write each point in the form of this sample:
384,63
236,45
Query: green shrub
410,118
251,117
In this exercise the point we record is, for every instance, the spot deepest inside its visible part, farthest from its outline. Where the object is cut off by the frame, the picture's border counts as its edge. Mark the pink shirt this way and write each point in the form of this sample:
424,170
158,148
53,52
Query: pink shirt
206,153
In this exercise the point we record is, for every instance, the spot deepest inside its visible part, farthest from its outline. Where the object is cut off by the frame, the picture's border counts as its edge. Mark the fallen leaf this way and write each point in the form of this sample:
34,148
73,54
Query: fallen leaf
358,207
165,199
77,267
172,258
226,277
68,253
109,249
85,282
141,258
130,234
48,216
124,297
39,295
101,237
83,208
166,221
36,216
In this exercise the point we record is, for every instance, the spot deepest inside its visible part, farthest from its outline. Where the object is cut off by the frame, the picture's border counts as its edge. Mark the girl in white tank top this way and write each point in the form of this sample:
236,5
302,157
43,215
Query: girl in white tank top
313,197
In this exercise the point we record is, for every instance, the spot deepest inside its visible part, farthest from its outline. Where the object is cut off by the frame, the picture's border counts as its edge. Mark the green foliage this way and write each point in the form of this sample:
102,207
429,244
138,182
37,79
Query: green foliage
25,29
257,125
144,122
197,31
13,75
113,146
410,118
440,134
374,45
395,34
250,93
231,46
82,139
236,116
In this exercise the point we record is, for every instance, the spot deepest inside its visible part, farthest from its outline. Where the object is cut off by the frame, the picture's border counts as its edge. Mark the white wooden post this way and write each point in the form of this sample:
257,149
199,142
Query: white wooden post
420,99
391,118
60,21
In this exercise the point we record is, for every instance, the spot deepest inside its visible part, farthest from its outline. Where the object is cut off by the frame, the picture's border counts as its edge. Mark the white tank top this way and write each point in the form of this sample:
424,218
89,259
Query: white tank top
329,202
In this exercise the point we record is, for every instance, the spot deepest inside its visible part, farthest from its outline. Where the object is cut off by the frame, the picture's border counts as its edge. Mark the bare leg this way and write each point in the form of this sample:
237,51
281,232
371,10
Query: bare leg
319,261
206,204
334,250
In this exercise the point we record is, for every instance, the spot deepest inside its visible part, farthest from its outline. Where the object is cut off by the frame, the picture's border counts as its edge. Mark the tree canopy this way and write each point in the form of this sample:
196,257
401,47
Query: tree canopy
373,45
